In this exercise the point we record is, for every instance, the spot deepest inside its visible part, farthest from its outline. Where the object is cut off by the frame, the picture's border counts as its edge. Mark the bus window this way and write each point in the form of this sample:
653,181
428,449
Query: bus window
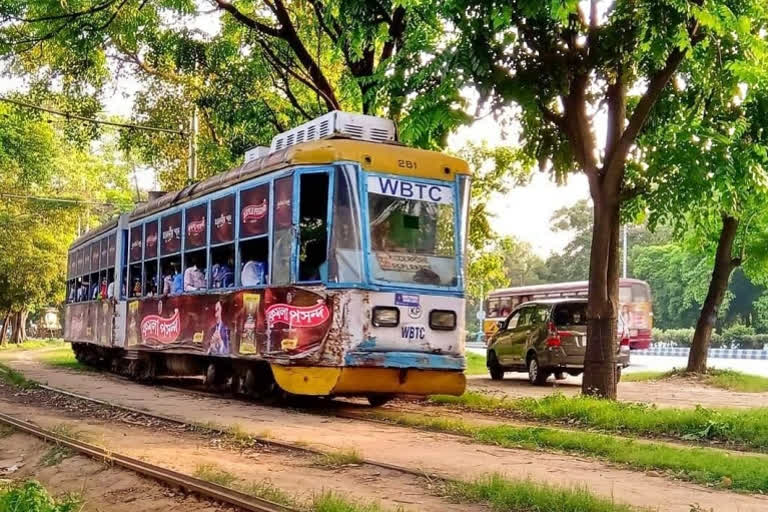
313,227
346,251
625,295
505,307
282,232
411,231
493,307
640,293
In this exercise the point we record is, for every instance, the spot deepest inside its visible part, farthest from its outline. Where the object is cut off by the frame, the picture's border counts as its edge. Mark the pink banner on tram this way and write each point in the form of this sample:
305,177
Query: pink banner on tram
275,322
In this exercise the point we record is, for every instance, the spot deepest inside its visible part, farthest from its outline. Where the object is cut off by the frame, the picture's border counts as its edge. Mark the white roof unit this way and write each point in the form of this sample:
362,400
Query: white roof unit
257,152
337,124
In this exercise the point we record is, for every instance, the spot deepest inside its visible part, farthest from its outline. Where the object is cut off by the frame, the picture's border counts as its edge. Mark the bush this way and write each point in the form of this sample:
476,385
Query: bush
736,336
673,337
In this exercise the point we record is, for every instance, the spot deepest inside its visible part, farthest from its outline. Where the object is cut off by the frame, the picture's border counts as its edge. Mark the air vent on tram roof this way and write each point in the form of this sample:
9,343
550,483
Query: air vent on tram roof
337,123
257,152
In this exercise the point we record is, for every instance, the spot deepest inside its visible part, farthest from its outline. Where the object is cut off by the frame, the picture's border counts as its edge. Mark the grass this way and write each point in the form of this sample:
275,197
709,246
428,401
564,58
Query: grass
62,357
743,428
14,378
475,364
32,344
724,379
55,455
214,474
524,495
700,465
336,459
30,496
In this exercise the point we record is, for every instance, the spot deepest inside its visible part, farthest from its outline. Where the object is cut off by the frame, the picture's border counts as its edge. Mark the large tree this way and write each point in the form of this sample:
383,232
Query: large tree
50,189
572,67
710,174
250,68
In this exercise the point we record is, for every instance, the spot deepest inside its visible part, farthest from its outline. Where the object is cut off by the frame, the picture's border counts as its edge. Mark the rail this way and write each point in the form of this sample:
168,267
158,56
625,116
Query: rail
201,487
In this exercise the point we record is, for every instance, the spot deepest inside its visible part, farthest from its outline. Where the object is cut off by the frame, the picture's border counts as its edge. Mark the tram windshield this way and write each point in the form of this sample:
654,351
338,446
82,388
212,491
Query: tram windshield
412,231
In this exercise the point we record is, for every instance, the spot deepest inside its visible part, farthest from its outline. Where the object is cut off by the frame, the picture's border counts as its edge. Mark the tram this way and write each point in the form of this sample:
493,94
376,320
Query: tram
329,264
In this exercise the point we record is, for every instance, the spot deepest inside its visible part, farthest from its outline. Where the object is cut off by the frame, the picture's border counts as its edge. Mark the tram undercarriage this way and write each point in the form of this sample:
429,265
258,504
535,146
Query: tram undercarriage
260,380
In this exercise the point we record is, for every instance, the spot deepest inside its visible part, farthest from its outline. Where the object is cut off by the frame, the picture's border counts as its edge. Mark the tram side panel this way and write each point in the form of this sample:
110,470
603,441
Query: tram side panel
90,322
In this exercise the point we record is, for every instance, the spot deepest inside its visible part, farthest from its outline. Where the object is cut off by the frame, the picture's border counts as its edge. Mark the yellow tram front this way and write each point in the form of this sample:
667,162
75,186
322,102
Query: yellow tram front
330,267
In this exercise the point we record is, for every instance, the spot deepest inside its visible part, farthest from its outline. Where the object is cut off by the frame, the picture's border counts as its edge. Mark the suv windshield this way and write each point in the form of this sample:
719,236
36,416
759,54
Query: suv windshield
411,231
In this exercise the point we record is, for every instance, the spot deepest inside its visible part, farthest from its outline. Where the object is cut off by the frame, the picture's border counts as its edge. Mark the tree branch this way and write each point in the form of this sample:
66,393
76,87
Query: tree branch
247,20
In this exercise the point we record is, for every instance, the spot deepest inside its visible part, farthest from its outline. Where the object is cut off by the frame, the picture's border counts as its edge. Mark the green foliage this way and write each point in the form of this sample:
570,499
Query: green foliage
338,458
250,71
736,336
32,497
504,494
475,364
724,379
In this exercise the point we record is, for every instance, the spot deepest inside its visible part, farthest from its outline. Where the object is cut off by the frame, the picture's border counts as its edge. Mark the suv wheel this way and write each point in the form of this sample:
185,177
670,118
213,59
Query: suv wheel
494,368
536,374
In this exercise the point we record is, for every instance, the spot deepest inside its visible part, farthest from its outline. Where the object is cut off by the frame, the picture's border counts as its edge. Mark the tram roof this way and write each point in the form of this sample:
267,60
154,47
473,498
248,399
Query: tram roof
554,287
372,156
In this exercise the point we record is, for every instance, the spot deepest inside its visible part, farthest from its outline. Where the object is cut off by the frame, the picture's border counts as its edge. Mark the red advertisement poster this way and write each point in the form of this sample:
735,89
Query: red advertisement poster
135,243
283,198
150,240
222,215
111,251
277,322
104,252
254,207
95,251
196,218
170,233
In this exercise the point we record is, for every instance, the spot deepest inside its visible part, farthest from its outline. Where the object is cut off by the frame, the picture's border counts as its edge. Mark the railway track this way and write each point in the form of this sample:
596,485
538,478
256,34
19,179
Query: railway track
263,440
172,478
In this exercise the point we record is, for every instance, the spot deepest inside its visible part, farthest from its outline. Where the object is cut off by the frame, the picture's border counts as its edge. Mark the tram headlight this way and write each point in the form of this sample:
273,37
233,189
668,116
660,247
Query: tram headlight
442,320
384,316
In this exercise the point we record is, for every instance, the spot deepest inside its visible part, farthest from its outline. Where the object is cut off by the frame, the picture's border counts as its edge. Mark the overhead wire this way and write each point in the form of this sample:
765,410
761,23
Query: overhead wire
70,115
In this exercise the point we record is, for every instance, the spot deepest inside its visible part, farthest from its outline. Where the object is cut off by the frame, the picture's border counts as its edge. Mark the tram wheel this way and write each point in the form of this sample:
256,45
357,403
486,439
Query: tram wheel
210,376
379,400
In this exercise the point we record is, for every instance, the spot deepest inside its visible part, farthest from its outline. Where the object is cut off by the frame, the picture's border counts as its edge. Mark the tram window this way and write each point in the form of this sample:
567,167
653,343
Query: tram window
103,285
253,260
283,234
150,240
82,289
254,207
170,270
134,275
223,266
150,278
313,227
110,283
194,270
71,291
346,253
93,286
104,252
170,233
136,244
222,219
196,219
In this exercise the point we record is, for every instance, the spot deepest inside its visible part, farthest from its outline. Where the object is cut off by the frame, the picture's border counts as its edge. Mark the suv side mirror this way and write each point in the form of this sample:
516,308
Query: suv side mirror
500,324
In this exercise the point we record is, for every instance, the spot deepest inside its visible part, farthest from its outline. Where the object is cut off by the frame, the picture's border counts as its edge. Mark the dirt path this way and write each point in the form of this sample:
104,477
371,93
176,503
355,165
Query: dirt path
293,472
439,453
678,393
103,488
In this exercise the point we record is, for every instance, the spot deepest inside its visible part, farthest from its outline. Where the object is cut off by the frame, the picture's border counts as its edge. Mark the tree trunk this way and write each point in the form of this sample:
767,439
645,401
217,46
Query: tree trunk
5,327
23,325
724,265
16,323
600,359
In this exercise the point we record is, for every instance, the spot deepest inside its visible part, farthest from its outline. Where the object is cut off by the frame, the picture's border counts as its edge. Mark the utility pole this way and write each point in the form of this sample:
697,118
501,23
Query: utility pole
192,148
624,254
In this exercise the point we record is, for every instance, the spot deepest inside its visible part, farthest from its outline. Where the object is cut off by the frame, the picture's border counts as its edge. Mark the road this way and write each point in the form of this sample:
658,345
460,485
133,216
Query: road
665,363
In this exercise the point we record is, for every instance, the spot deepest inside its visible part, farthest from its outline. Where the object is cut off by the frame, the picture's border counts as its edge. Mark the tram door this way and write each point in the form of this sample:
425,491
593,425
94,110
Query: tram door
312,219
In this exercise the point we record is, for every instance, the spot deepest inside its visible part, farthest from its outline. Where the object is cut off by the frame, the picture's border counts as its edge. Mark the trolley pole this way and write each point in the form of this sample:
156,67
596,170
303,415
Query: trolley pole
192,149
